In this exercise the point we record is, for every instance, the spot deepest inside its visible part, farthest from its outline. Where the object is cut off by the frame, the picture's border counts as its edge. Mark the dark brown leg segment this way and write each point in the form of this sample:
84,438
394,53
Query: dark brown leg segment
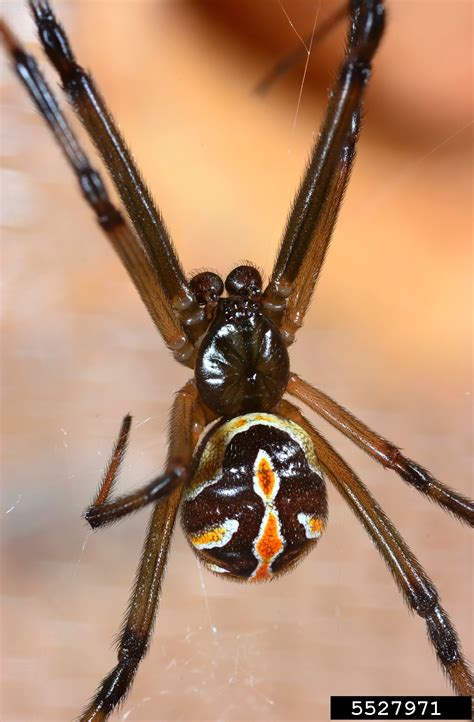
141,208
113,467
139,621
303,288
112,222
319,197
416,587
184,416
188,418
381,450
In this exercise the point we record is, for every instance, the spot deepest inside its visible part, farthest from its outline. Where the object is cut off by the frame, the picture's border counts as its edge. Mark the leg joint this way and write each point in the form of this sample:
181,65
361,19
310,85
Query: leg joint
424,601
411,472
132,648
443,636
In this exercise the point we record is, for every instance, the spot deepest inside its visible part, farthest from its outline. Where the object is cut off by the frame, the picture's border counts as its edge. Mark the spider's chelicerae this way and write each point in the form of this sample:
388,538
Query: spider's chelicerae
246,467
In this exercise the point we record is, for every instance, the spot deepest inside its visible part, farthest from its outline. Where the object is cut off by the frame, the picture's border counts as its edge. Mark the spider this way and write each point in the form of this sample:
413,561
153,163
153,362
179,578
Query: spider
245,465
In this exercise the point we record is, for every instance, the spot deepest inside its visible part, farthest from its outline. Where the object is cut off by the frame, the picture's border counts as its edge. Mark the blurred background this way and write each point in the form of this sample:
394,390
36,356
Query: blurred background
388,335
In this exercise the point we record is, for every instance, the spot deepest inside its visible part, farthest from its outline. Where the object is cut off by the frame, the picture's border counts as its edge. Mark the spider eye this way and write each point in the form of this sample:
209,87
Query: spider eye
257,501
245,282
207,287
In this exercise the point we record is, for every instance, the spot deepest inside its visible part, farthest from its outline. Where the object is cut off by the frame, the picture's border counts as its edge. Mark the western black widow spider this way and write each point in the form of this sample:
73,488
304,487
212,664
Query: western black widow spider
259,398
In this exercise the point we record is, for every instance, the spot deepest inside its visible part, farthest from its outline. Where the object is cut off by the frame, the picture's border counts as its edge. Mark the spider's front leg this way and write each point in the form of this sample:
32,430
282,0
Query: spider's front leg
110,219
317,203
102,129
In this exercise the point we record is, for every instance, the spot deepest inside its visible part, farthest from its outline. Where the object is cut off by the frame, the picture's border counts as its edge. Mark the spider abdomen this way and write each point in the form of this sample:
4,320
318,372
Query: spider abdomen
242,363
257,499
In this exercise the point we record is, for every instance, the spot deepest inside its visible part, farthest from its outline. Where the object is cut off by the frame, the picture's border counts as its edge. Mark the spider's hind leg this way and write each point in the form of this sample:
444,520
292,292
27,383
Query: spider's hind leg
187,419
417,588
135,635
382,450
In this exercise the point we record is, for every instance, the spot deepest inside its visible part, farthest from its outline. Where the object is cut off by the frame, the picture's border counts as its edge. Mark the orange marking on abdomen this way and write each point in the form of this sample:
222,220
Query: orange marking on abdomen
267,547
265,476
313,525
216,536
238,423
316,525
262,573
208,537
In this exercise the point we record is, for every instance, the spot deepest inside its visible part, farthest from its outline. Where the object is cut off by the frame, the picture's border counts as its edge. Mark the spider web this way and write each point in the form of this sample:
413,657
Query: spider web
308,48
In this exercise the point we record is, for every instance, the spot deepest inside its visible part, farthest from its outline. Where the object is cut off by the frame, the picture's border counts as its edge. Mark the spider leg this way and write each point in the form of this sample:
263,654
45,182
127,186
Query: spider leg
188,418
114,225
113,467
145,216
99,515
138,625
416,587
382,450
303,288
317,202
186,421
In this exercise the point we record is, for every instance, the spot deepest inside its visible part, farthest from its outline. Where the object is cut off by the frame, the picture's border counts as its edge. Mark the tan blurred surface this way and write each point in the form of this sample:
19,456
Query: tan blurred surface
388,336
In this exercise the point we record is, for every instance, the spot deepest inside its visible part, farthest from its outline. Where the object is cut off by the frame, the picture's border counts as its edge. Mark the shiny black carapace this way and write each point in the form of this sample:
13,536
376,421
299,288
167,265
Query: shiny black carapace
247,466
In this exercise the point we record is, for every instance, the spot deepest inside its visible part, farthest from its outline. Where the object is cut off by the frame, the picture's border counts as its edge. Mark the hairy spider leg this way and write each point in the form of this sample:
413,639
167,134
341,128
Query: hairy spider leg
418,590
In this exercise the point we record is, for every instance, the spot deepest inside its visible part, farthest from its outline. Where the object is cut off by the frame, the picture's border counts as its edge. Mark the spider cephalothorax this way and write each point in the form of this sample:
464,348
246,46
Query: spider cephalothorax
242,363
254,493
